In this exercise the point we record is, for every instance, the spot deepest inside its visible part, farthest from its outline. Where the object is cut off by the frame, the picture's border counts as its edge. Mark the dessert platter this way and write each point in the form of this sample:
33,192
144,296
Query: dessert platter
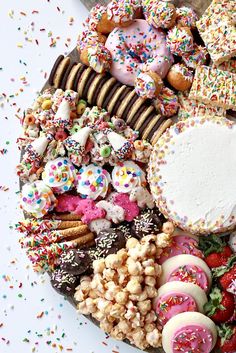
128,173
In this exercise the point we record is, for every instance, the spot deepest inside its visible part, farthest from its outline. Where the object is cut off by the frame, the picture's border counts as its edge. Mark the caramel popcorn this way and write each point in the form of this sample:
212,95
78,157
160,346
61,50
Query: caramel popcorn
120,293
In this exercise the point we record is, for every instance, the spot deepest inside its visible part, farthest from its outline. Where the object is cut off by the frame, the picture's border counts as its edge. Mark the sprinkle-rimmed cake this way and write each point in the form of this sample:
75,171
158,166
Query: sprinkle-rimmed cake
188,177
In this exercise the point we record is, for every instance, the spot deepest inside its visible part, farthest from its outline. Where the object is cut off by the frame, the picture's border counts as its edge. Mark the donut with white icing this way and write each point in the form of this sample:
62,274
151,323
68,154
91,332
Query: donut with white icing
189,332
186,268
192,172
138,48
176,297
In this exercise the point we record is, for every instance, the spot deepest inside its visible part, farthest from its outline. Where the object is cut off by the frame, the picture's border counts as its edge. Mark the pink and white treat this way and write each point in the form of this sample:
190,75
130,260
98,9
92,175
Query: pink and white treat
174,298
189,332
186,268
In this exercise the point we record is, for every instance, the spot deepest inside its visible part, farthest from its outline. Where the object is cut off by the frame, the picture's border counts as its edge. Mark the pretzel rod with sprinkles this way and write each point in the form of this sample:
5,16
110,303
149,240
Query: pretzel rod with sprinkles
39,226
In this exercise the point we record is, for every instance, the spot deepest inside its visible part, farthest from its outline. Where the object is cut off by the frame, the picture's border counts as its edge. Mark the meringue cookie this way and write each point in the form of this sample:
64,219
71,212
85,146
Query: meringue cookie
37,199
127,176
93,181
60,175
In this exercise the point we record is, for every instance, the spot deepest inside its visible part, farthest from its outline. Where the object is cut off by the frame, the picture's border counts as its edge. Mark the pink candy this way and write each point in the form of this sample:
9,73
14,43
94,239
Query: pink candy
131,208
83,207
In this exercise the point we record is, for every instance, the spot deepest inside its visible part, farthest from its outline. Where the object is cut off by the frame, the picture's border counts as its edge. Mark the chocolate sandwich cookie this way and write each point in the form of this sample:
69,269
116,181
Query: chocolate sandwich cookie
148,222
78,76
66,75
54,69
139,119
110,94
75,261
93,87
64,282
120,100
153,123
109,241
72,75
146,122
115,98
155,134
83,80
125,105
104,91
101,83
134,109
90,79
60,71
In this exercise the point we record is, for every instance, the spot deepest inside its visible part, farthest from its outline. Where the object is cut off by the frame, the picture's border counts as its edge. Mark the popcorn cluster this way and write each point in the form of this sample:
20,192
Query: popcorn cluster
121,291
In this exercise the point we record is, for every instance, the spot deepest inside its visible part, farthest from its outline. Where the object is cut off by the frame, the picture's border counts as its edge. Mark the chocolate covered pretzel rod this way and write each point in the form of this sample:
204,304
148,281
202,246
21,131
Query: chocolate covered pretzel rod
106,92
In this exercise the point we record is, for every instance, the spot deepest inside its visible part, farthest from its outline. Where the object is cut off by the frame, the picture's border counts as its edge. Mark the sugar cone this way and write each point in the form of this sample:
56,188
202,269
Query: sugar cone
72,232
69,224
117,141
82,136
87,238
63,112
40,144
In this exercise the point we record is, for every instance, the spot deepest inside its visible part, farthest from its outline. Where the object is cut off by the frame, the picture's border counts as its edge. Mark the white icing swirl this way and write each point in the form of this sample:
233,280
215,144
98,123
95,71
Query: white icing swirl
60,175
127,176
93,181
37,199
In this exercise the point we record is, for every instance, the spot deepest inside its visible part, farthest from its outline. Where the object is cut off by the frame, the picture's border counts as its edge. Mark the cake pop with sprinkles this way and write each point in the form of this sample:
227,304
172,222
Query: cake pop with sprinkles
148,84
167,102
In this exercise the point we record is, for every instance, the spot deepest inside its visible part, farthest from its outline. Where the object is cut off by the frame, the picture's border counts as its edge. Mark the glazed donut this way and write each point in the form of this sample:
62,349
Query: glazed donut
137,48
97,57
180,77
148,84
179,40
160,14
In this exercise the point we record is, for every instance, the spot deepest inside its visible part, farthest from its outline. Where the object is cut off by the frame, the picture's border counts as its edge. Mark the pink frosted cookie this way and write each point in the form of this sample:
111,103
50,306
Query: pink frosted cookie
186,268
83,207
67,203
89,210
131,208
177,297
138,47
181,244
189,332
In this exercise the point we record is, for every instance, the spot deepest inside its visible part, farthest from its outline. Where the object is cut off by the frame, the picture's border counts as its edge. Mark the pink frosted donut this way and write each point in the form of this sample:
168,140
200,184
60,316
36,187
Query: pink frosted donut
138,47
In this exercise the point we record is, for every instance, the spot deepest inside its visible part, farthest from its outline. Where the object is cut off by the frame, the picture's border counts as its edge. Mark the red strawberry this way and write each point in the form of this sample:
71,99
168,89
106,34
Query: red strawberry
220,307
215,250
228,279
227,338
219,259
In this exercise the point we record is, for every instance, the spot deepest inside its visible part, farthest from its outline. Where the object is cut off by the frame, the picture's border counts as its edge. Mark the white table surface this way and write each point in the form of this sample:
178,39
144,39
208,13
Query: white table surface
33,318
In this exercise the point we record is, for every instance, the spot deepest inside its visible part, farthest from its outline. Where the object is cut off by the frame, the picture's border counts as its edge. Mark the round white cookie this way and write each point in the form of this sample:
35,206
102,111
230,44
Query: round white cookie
191,289
188,319
180,261
192,174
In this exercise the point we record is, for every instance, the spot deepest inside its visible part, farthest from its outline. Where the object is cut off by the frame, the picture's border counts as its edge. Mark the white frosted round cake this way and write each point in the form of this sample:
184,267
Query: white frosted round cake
192,174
